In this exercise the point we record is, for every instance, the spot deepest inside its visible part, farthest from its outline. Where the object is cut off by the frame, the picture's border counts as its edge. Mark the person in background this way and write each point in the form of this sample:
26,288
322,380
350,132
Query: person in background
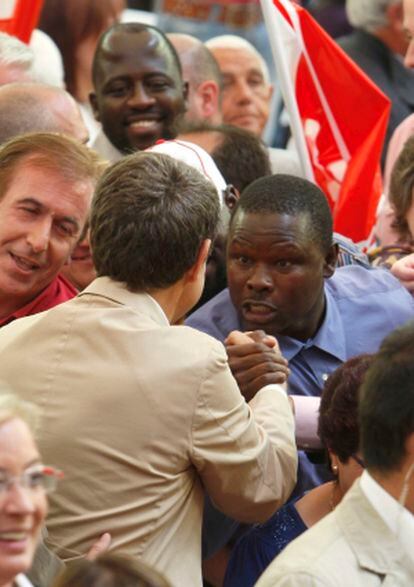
378,45
24,483
46,186
247,94
338,431
111,570
139,95
202,73
75,26
400,194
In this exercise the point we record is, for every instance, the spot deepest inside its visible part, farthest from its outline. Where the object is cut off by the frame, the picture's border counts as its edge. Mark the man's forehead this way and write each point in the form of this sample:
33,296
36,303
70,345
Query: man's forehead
256,221
228,57
136,47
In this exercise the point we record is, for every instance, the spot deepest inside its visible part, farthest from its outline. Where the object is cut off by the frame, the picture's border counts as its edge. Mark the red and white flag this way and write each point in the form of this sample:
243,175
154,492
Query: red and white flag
337,114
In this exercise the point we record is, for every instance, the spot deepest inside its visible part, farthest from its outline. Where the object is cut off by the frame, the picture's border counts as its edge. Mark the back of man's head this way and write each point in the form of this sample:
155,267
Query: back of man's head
34,107
150,216
197,62
369,15
240,156
291,196
387,403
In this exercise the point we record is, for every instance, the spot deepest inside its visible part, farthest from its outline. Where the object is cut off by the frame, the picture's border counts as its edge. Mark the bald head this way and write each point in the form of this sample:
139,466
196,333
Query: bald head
34,107
202,73
246,92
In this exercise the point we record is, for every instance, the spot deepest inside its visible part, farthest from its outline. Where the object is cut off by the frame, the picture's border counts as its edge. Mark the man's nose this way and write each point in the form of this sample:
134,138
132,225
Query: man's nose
409,56
38,236
140,97
244,91
260,279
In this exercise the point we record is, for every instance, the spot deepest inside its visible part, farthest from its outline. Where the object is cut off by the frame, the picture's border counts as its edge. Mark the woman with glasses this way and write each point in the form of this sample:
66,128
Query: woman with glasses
338,431
24,483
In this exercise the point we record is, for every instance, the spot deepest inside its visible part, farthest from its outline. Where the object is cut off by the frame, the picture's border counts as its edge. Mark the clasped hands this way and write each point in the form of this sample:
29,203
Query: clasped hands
255,360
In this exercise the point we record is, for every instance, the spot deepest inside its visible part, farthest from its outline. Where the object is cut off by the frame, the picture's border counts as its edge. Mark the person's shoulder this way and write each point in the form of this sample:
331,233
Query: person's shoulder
310,559
353,281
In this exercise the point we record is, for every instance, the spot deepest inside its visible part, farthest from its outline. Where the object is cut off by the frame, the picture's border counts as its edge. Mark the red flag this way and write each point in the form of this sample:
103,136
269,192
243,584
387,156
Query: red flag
341,113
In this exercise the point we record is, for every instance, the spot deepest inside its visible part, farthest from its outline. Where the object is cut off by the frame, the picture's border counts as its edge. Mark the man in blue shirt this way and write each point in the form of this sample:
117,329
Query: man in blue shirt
282,279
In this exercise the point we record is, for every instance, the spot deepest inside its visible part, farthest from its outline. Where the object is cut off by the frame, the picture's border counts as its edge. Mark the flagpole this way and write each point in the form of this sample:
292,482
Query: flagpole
286,85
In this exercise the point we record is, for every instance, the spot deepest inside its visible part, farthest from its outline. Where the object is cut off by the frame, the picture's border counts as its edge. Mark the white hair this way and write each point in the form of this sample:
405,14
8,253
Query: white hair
15,52
368,15
12,407
236,42
48,63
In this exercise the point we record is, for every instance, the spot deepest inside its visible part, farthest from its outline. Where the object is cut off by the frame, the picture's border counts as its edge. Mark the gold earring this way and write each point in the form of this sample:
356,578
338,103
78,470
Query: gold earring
335,469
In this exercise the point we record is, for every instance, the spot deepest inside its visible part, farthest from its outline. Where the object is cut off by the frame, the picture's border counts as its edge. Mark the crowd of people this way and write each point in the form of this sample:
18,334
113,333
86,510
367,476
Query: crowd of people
220,385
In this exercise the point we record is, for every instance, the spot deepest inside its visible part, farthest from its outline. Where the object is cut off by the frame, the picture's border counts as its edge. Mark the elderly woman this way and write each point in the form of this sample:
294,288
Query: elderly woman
338,431
24,483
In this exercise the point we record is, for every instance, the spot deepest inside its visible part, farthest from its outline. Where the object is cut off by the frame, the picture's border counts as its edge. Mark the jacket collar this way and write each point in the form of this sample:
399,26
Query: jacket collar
359,522
117,292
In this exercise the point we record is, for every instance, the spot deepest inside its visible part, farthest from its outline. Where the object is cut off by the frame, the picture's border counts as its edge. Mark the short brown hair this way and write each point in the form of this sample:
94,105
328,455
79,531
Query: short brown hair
150,215
52,152
110,570
401,187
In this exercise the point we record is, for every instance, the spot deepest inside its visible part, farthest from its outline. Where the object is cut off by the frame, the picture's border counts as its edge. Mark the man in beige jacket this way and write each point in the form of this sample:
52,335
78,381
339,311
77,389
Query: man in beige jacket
141,415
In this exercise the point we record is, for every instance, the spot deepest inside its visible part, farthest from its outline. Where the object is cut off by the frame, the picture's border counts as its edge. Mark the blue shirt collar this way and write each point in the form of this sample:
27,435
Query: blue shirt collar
330,337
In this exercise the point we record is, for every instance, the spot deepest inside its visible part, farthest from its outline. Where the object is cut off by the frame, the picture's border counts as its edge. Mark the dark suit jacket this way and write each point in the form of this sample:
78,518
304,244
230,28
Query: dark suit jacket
386,71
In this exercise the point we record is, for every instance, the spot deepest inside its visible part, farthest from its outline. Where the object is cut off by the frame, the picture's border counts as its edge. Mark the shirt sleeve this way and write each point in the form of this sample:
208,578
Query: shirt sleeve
245,454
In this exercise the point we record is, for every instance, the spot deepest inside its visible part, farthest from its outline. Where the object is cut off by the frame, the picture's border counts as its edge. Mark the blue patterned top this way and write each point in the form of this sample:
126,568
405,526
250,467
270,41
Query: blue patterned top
261,544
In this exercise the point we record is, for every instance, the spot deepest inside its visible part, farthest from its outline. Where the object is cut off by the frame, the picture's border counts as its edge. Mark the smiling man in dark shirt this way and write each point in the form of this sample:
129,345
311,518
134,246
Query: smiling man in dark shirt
139,91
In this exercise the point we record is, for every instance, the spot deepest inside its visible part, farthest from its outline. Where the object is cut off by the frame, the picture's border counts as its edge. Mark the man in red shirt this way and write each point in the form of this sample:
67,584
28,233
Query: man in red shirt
46,185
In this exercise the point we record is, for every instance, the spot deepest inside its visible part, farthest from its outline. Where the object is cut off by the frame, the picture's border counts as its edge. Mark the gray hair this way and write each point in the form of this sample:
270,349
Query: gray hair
368,15
15,52
236,42
30,107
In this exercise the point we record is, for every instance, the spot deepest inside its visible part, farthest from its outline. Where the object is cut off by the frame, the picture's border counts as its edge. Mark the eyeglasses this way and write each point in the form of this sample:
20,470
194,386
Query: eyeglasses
358,460
33,479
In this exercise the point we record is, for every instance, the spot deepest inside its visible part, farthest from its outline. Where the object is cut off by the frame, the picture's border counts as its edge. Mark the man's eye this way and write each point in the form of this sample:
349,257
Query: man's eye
3,484
28,209
66,229
35,478
157,85
242,259
118,90
283,263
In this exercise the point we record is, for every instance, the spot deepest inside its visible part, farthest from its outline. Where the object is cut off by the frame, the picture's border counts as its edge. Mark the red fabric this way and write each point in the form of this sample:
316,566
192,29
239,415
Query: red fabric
60,290
361,113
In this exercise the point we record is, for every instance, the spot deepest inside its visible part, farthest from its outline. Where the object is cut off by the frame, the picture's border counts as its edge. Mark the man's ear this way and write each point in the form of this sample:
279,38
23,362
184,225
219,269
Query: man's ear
94,104
200,263
331,259
208,94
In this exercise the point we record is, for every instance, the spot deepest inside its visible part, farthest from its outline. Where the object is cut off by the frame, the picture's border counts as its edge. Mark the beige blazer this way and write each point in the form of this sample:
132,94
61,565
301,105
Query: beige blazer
140,415
351,547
